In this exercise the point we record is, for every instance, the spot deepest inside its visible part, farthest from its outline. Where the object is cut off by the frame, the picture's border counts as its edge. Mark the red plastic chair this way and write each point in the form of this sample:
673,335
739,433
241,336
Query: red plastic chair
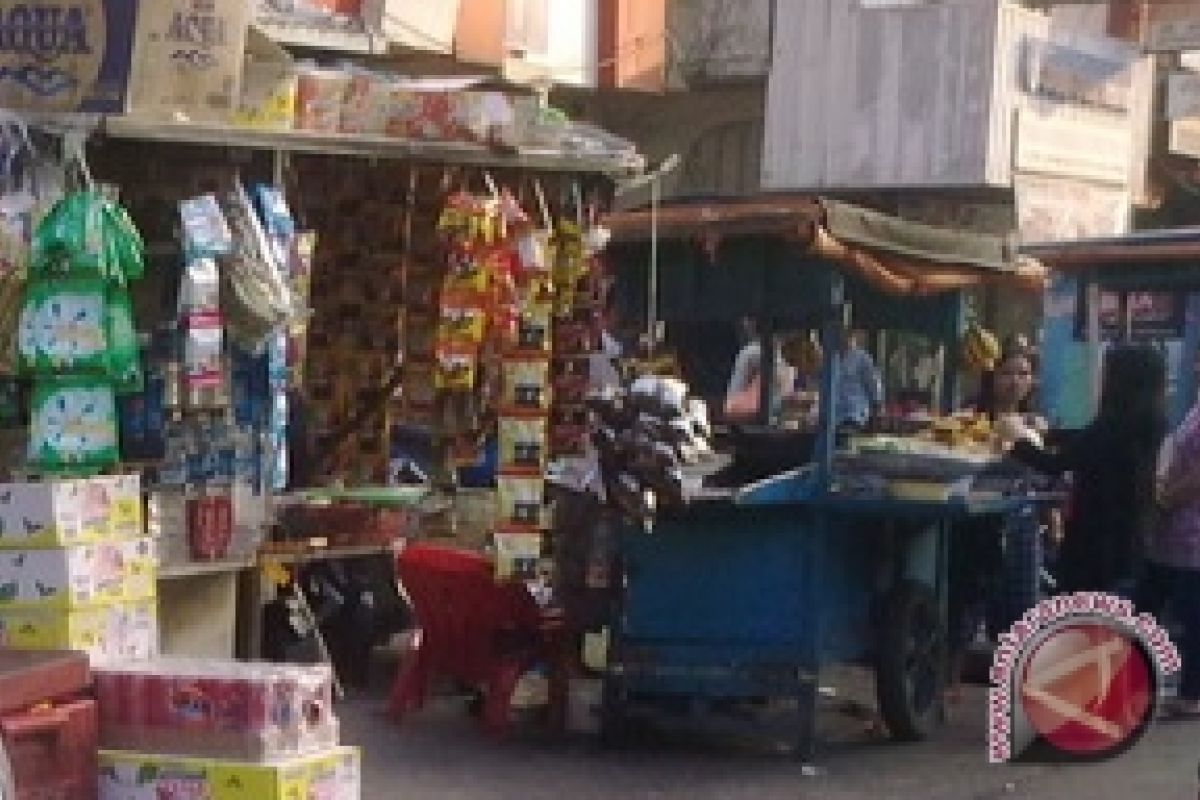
474,630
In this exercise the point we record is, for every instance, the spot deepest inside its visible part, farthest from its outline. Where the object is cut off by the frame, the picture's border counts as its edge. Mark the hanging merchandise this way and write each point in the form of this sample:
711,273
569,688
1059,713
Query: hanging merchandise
87,235
73,424
63,327
255,293
206,234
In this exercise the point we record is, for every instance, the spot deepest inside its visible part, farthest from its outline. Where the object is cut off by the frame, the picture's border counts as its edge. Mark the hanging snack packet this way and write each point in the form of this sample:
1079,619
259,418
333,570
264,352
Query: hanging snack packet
200,291
63,327
206,232
456,368
16,232
462,325
523,444
533,329
521,503
73,424
517,555
202,352
125,248
527,385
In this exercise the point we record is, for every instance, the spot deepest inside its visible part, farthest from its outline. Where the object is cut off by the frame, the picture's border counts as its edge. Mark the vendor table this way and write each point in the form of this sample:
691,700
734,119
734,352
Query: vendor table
748,597
214,609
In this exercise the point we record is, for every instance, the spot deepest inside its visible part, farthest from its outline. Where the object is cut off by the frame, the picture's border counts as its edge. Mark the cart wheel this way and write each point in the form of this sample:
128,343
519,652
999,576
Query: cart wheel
911,669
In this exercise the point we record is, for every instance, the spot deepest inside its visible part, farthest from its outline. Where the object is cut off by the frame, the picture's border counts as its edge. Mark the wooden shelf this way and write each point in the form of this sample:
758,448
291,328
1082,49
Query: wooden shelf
191,569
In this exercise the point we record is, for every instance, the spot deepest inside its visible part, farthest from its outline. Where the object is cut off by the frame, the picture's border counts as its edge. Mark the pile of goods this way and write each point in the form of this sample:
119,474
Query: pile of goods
980,349
76,335
186,728
76,571
644,438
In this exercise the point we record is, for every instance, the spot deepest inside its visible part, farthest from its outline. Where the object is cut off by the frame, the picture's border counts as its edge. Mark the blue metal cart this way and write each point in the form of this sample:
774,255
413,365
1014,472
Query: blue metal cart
745,595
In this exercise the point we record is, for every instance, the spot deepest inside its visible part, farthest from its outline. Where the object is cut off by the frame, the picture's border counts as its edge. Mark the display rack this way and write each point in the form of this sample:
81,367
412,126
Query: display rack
464,153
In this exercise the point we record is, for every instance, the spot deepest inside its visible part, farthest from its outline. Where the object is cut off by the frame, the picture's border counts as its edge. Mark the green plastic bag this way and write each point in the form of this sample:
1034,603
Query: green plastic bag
126,250
64,327
73,424
124,359
71,239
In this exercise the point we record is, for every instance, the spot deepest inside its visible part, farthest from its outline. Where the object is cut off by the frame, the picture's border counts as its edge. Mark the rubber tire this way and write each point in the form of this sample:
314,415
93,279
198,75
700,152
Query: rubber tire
912,607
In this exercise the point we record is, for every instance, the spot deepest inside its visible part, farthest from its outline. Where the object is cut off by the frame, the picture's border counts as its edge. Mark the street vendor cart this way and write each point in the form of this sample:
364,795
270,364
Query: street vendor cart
744,593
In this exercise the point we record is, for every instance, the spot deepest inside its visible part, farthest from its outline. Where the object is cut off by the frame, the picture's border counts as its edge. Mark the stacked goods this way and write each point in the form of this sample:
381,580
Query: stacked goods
221,729
76,335
644,438
76,570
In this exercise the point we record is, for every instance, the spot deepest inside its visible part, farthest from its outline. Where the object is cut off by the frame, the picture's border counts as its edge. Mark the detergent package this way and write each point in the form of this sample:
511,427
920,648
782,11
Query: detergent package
73,424
63,327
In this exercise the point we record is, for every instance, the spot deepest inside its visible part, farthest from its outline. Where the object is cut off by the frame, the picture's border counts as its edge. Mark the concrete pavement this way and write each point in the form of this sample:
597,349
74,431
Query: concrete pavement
441,754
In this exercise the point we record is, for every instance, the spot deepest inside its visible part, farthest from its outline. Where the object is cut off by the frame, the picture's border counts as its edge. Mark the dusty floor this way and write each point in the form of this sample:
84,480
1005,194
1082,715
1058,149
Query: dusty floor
440,754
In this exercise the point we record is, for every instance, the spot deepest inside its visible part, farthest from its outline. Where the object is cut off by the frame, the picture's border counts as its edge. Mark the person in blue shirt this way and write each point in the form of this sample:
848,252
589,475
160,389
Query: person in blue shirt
860,386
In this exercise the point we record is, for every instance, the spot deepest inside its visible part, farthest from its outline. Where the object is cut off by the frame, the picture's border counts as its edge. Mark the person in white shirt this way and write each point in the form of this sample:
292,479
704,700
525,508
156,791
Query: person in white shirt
741,396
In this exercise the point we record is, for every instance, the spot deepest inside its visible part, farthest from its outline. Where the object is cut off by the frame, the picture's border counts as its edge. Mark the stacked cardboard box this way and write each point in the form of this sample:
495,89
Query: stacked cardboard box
77,571
221,729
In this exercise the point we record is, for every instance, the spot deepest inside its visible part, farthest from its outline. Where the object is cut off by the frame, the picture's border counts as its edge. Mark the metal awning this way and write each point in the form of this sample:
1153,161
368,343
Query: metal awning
893,255
1173,248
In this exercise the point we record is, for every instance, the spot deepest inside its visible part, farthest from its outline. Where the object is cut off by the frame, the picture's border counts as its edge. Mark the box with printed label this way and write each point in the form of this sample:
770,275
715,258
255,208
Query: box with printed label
58,513
132,776
68,577
140,562
127,520
117,631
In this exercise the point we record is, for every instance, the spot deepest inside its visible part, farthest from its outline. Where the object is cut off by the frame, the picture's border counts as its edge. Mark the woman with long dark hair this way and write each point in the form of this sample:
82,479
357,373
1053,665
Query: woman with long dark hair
1113,465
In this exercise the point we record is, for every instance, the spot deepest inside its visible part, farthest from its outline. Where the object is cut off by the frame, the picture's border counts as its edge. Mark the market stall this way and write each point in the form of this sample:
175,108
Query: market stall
739,593
1141,287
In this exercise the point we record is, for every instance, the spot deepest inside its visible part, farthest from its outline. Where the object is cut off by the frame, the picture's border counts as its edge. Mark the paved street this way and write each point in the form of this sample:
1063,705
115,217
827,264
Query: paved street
441,755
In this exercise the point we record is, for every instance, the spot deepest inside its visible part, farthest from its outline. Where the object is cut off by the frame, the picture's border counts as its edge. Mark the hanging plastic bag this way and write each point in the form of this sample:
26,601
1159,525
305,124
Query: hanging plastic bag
124,357
63,327
73,424
206,233
258,300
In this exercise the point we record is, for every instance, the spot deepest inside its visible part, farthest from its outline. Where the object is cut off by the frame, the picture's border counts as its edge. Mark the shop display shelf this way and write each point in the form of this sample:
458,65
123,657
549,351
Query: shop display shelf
384,147
193,568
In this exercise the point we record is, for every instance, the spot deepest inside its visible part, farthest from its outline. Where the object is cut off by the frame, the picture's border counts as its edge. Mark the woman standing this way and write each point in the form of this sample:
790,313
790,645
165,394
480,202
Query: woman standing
1173,572
1113,463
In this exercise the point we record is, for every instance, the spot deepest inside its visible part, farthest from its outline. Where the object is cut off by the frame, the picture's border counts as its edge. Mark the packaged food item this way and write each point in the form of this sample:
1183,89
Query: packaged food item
526,384
521,503
73,424
462,324
200,291
517,555
456,368
321,94
366,107
206,232
335,775
533,329
70,577
268,97
218,709
54,513
63,327
202,353
523,444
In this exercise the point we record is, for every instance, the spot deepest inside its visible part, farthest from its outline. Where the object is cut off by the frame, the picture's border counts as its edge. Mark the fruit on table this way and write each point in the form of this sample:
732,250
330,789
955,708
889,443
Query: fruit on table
981,348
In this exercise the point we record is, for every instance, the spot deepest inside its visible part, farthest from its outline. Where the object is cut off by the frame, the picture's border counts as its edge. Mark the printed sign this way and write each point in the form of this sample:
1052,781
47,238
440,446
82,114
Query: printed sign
1061,209
1172,26
66,56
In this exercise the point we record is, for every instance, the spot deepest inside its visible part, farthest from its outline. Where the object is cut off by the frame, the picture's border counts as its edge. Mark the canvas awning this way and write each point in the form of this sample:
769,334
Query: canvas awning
893,255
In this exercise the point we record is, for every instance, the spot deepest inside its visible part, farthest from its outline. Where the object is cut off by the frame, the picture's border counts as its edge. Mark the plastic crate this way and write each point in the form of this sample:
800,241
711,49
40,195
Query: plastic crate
52,750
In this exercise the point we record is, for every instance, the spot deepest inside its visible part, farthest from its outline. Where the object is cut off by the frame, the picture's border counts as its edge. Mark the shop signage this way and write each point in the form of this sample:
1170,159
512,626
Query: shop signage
1061,209
1184,138
1092,74
1172,26
66,56
1183,95
1074,142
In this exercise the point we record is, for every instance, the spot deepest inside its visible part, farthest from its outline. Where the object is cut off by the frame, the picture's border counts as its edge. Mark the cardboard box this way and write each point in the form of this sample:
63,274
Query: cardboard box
269,91
112,632
128,518
58,513
69,577
132,776
140,561
67,58
190,72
